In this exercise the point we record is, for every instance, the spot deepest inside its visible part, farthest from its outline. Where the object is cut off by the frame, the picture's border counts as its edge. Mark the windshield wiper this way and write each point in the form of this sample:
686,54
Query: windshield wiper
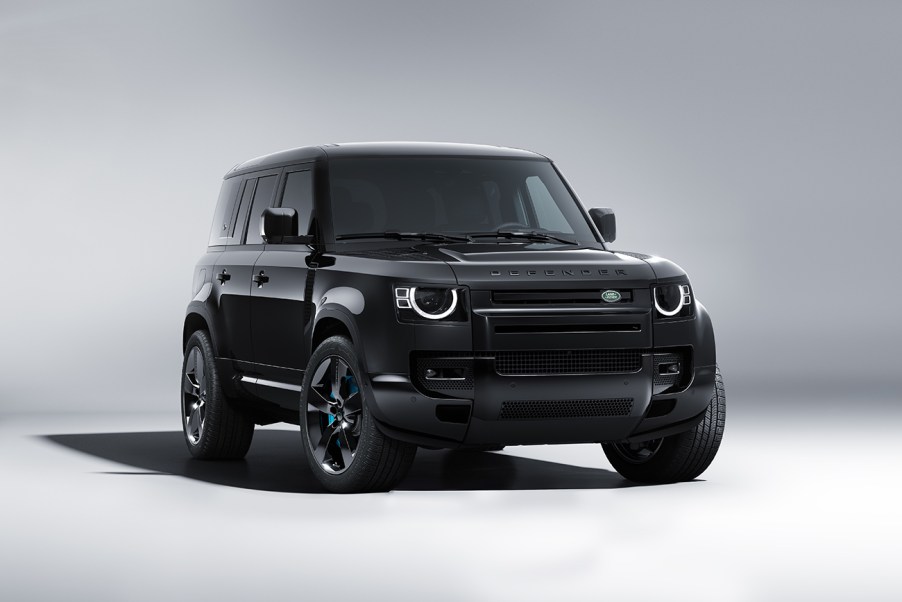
428,236
531,235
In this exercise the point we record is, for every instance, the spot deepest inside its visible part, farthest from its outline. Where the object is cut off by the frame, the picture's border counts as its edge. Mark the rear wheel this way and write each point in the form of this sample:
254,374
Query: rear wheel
213,428
345,449
680,457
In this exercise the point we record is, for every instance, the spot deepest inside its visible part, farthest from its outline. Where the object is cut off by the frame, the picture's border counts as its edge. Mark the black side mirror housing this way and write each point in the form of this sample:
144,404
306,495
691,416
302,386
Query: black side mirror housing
280,226
603,218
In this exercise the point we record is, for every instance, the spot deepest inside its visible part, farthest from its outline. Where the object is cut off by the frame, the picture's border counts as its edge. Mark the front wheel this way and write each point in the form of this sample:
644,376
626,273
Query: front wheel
680,457
345,449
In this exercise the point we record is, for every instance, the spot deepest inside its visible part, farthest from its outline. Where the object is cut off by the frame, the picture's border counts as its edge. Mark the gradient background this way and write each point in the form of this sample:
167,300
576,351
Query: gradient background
757,144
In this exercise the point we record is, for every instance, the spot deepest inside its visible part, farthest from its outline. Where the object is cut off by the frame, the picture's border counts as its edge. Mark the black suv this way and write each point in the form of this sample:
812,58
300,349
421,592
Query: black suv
386,296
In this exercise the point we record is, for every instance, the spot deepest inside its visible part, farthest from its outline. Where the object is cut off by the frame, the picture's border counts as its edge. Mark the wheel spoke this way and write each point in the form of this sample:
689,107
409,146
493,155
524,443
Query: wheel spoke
322,376
347,450
319,453
190,387
342,370
335,368
353,404
199,373
193,427
191,364
318,401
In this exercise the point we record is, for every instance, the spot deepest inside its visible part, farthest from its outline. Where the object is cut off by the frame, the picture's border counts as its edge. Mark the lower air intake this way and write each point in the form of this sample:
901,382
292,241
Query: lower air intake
566,408
577,361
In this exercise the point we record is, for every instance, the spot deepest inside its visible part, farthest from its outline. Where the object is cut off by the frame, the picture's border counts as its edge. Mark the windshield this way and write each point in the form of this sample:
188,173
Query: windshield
451,196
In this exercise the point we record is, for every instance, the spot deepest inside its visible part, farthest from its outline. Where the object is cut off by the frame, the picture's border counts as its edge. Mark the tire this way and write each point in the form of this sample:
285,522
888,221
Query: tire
345,449
680,457
213,428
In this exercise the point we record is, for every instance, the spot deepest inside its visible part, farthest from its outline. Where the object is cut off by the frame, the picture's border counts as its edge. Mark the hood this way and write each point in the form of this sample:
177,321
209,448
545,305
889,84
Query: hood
543,265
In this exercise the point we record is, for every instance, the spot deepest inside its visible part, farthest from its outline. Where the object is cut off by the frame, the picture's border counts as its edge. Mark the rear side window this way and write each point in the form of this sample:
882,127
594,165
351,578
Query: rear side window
240,214
226,207
298,195
263,194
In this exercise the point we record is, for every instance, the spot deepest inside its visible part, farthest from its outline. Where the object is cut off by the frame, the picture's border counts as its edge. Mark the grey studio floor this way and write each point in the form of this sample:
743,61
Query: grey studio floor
801,504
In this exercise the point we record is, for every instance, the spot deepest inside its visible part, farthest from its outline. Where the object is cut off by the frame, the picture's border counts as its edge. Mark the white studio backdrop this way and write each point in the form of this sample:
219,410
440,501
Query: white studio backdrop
757,145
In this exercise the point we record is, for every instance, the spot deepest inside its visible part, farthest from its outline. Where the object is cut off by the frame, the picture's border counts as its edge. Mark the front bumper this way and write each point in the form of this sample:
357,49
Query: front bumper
541,409
607,389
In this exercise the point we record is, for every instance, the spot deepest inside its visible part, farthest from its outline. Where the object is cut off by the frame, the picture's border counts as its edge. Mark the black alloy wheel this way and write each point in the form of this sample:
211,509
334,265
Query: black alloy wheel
213,425
345,448
334,408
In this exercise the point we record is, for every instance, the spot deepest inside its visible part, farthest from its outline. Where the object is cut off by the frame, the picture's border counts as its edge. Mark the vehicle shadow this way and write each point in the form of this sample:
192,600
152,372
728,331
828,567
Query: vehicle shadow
275,462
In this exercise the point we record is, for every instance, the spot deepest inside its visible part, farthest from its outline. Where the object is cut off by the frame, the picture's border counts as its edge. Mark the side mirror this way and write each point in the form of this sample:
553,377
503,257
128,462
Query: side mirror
603,218
280,225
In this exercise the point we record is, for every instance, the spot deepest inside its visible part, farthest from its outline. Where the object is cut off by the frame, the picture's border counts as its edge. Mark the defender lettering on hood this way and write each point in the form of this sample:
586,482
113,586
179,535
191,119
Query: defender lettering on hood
579,272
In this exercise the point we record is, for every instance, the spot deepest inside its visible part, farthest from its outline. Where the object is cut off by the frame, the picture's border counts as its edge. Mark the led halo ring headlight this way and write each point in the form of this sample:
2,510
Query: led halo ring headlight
406,298
683,293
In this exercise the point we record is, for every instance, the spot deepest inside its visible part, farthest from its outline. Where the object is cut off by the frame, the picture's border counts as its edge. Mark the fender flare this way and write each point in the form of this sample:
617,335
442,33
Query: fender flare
338,312
199,309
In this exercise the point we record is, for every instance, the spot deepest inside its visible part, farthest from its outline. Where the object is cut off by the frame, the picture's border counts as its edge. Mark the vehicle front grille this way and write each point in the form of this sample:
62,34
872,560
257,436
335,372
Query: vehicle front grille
577,361
558,297
566,408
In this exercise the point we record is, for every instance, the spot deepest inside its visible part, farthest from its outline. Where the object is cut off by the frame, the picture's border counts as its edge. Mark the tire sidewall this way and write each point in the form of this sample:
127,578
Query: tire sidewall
201,341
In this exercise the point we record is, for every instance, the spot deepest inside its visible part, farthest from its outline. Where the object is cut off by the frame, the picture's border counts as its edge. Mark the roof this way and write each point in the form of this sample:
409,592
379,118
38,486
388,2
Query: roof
380,149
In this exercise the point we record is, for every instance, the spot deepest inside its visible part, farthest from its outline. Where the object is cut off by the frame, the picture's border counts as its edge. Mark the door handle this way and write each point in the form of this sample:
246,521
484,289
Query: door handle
260,279
223,277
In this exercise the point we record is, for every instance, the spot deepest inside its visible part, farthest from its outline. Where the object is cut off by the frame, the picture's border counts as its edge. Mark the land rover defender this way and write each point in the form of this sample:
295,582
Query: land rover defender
390,296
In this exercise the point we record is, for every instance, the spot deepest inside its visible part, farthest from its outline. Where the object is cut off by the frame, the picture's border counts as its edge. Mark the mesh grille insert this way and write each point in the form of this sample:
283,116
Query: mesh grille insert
566,408
666,358
581,361
665,379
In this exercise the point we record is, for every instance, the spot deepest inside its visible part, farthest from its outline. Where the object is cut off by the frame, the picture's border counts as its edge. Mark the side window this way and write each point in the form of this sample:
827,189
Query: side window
263,194
221,230
298,195
240,214
547,212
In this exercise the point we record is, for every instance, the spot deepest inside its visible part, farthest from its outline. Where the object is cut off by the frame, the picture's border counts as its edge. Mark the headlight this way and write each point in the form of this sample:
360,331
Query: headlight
428,302
673,300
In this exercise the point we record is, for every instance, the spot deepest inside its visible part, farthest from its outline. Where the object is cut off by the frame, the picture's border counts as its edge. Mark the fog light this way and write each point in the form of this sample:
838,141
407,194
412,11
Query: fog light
669,368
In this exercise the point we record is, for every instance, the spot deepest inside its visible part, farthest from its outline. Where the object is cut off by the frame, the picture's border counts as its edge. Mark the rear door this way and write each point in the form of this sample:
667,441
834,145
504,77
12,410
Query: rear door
234,269
279,316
